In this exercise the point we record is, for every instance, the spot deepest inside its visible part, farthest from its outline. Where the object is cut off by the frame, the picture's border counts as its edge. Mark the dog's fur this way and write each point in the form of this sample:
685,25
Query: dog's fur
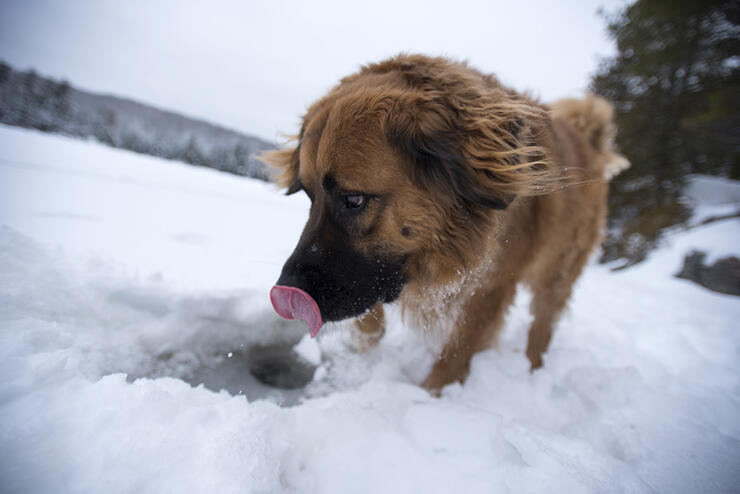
470,189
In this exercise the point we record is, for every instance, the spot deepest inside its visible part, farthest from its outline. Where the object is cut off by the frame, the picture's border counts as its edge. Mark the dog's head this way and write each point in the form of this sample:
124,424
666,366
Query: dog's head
404,163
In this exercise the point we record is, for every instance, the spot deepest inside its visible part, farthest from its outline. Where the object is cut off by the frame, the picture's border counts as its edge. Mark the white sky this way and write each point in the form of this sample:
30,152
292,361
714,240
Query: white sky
256,66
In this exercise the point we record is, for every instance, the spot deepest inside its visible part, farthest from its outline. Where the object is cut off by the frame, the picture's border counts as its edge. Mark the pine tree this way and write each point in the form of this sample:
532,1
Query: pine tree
61,98
192,153
4,72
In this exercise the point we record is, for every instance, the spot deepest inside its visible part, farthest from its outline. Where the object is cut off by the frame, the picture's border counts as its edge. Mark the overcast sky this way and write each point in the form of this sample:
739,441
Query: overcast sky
256,66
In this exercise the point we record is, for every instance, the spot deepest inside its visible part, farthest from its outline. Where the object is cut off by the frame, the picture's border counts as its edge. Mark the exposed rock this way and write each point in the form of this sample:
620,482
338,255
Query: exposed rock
723,276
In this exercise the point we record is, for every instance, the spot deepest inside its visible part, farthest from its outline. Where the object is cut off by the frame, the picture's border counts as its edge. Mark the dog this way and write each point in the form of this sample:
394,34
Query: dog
435,186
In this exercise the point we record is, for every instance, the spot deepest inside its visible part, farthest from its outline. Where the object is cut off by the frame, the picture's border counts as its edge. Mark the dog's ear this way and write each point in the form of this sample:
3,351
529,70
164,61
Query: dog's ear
439,164
479,144
285,163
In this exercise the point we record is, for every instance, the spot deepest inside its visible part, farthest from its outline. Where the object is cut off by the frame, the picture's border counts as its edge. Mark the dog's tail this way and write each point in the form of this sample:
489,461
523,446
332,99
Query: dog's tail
593,115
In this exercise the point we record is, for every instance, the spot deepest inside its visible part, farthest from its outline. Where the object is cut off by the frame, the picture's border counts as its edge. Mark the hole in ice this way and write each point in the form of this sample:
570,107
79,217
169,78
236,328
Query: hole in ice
272,371
279,366
220,343
210,343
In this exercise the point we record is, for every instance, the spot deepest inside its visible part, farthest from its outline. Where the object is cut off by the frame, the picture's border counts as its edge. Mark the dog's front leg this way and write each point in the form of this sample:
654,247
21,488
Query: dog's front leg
475,330
368,329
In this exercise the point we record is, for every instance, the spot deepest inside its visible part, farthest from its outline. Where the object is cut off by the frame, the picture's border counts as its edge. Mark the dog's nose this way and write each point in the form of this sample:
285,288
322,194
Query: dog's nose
293,303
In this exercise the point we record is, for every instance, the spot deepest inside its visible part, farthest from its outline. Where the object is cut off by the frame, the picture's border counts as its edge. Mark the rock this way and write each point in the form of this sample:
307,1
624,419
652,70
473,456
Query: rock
723,276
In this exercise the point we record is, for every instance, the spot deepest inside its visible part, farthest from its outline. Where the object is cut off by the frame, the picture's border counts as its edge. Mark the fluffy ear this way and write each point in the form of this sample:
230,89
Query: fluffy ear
481,144
440,164
285,164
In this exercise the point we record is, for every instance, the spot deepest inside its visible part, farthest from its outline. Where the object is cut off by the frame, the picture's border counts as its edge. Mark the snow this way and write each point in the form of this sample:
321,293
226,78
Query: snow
125,280
711,191
308,349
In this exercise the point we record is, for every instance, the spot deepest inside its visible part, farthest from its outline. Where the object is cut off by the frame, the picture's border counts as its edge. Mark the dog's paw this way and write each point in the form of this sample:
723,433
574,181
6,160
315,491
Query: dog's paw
367,330
535,360
433,385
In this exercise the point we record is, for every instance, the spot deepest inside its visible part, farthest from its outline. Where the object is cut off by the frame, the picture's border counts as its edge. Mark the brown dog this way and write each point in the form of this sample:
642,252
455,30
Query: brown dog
434,185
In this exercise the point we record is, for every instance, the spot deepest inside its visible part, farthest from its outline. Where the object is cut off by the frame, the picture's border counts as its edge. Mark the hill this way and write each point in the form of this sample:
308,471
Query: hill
30,100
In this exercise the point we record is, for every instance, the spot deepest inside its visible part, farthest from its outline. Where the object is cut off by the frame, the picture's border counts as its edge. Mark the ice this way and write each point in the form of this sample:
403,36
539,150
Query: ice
125,281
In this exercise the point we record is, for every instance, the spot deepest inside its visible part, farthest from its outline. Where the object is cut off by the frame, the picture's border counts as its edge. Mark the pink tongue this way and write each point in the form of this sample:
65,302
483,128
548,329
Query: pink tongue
293,303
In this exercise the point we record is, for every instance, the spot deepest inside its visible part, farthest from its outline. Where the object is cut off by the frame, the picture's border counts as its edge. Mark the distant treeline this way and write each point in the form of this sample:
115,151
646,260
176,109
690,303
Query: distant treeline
30,100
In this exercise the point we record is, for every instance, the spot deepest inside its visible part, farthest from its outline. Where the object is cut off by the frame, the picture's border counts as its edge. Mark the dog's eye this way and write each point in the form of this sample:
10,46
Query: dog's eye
355,201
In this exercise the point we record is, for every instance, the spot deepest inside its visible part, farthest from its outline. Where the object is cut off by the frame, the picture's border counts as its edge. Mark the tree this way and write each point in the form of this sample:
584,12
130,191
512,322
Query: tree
192,153
675,86
5,71
29,99
61,98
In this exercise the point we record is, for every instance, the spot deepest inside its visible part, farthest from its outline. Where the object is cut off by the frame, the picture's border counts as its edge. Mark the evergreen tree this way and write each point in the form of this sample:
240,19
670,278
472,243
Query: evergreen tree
29,99
674,83
4,72
61,98
192,153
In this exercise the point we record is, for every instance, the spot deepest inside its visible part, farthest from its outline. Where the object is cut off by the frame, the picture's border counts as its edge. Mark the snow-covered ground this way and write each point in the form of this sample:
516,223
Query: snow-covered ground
125,280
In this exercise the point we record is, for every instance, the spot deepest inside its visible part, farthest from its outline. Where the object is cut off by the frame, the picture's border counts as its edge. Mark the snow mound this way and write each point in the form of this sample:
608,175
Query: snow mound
127,280
709,191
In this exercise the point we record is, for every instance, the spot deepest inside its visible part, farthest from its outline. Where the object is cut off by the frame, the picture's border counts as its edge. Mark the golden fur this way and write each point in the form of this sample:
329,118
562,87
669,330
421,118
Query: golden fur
480,188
